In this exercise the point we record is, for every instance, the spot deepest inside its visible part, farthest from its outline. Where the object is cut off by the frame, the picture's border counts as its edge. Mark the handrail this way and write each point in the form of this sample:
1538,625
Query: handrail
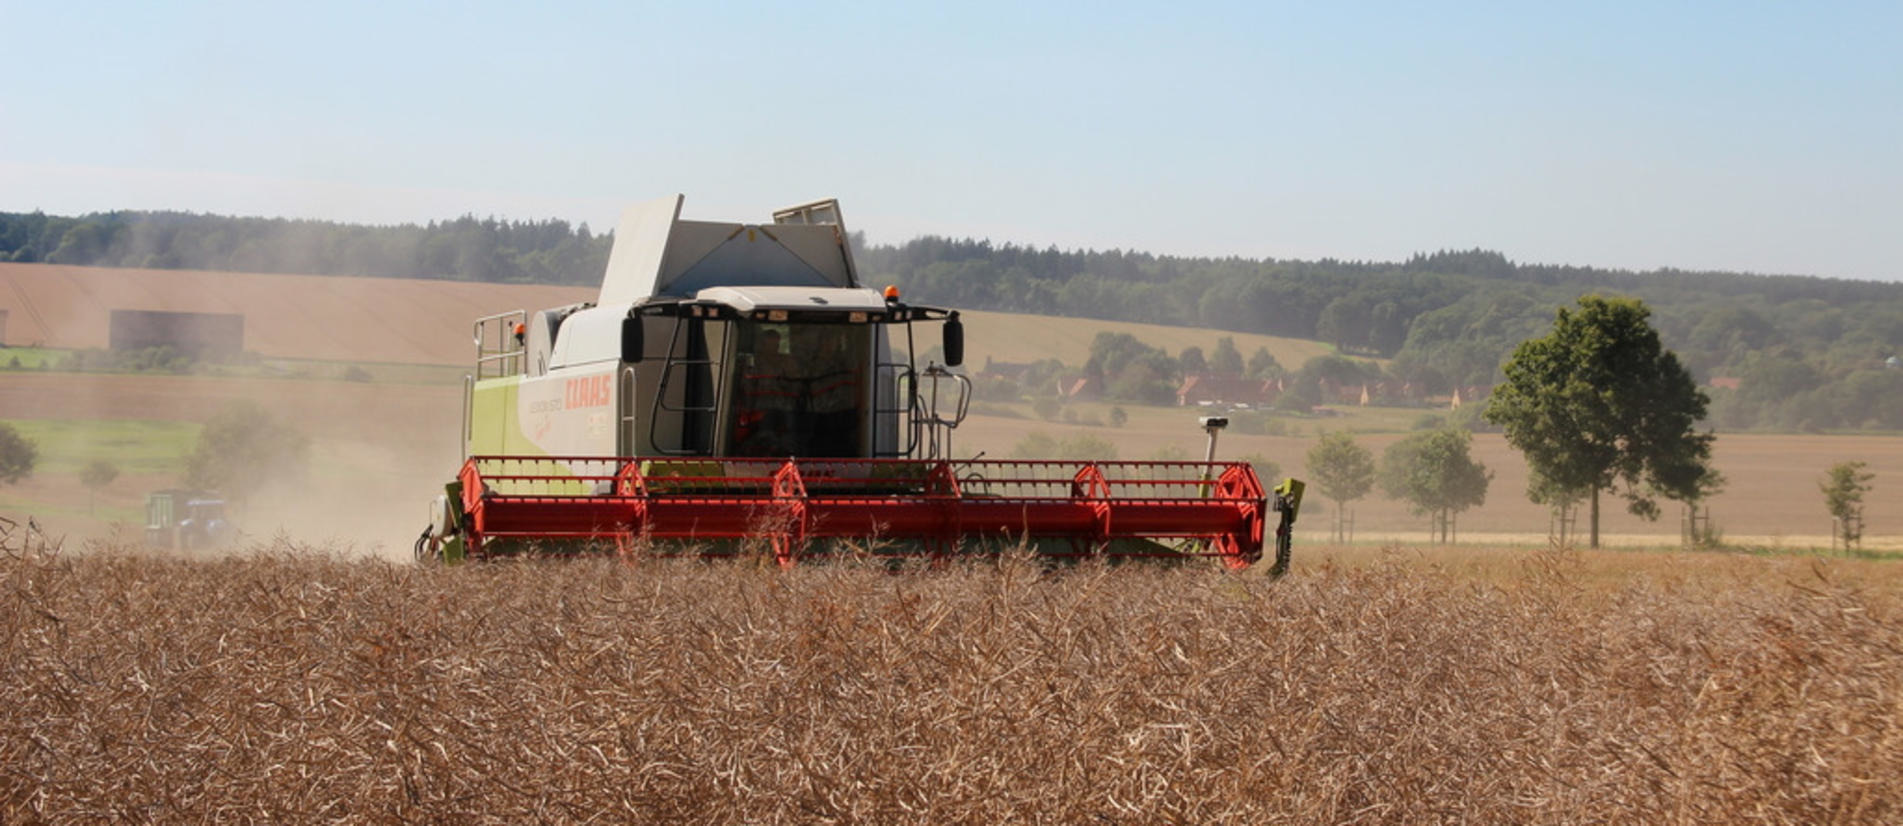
507,354
710,412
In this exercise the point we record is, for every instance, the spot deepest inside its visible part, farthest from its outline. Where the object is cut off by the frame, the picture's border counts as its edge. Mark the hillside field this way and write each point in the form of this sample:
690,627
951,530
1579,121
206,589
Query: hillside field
410,321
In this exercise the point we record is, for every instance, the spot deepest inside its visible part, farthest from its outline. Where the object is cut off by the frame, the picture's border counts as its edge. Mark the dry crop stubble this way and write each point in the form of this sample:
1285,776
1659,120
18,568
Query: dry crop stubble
295,685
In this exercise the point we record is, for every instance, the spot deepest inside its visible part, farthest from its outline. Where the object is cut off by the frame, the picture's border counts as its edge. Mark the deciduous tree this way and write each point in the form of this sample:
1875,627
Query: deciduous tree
1844,486
1262,365
1192,360
1435,473
96,475
17,455
1342,471
1226,358
1598,403
242,448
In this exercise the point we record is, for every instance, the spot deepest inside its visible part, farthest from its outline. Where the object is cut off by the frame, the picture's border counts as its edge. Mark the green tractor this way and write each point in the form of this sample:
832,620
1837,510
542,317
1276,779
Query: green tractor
186,520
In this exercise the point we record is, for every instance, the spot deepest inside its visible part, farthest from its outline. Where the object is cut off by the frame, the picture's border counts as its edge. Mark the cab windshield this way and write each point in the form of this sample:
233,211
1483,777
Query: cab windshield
800,389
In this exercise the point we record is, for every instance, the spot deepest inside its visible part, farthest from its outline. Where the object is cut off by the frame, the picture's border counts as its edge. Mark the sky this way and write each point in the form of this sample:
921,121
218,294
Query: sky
1762,137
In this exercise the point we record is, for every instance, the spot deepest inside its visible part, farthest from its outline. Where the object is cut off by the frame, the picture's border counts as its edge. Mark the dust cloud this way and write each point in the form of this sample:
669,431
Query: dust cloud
380,450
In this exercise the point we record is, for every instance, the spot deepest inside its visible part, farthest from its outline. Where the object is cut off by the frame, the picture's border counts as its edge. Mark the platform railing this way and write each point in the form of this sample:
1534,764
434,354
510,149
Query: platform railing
498,350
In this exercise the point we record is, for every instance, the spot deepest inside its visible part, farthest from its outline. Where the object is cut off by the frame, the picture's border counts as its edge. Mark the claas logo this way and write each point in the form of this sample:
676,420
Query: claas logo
592,391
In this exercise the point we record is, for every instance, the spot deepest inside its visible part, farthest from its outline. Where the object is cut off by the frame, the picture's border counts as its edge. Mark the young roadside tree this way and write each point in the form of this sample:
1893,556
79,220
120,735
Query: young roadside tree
1599,404
17,455
96,475
1342,471
1844,486
1435,473
242,448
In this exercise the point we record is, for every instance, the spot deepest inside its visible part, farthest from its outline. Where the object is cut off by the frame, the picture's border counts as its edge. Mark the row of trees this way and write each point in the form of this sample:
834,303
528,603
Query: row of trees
1448,319
1434,472
1127,369
464,249
1597,404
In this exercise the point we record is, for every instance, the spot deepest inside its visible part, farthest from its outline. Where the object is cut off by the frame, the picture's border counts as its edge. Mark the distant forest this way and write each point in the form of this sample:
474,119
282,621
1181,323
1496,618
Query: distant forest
1808,353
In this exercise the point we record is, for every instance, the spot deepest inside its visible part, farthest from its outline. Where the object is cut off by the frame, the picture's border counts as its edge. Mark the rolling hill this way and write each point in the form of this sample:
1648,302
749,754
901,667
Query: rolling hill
415,321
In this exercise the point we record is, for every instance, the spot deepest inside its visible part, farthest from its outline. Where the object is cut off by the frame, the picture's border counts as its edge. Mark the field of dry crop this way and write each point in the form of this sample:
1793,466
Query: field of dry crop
290,685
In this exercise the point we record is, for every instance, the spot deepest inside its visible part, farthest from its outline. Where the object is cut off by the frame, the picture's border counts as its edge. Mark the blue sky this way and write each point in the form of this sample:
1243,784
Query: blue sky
1765,137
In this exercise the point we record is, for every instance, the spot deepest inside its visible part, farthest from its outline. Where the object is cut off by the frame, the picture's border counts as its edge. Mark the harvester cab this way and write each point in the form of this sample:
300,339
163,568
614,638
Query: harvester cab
713,340
737,382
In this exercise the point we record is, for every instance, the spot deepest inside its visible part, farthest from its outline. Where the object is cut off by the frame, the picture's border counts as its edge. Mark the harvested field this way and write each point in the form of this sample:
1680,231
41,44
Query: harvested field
292,686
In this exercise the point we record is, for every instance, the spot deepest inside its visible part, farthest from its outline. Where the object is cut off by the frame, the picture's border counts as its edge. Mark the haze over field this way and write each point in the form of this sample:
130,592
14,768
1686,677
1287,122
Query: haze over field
1699,136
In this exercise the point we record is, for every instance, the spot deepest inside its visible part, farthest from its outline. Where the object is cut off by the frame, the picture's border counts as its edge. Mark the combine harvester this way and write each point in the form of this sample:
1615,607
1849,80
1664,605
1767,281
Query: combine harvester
736,384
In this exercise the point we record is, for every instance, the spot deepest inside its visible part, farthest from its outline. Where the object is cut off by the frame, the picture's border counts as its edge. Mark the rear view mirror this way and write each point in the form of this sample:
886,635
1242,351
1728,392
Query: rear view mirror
954,341
632,341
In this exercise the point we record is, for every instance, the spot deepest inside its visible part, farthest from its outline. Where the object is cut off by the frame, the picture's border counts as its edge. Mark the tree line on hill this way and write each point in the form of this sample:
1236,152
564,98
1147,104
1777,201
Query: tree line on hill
463,249
1790,352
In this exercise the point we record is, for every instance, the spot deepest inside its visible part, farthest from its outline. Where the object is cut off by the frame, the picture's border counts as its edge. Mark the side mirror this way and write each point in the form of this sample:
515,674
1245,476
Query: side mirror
954,341
632,340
